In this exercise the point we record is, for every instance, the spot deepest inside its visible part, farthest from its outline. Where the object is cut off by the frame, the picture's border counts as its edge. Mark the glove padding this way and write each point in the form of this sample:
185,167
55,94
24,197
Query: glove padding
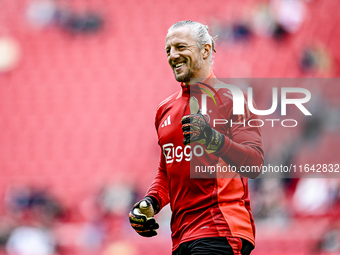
196,129
141,218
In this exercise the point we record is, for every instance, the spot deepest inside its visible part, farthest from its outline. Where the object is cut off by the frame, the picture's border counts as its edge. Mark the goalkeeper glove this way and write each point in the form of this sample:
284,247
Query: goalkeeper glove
196,129
141,217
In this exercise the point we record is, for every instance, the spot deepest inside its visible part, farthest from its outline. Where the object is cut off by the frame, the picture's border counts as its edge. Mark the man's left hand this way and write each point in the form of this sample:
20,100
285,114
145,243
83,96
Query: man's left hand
196,129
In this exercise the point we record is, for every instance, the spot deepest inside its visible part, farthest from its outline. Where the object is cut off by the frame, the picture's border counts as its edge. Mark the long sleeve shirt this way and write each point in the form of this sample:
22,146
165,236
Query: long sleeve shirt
206,204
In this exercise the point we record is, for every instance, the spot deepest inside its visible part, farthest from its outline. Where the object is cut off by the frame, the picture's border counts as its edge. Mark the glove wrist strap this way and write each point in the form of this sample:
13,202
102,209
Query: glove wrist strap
216,142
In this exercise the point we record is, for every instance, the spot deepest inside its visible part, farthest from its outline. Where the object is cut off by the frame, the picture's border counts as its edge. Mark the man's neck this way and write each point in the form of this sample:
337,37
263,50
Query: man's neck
202,76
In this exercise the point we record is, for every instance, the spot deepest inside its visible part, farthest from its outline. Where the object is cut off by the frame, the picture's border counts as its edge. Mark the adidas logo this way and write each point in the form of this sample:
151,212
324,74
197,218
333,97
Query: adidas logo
166,122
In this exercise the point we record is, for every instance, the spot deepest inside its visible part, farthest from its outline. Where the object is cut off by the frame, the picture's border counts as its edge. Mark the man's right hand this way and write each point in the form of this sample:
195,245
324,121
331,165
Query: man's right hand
141,218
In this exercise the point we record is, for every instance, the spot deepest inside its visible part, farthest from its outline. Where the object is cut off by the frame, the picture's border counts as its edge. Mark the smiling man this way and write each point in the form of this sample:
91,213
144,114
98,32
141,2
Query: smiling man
188,59
209,215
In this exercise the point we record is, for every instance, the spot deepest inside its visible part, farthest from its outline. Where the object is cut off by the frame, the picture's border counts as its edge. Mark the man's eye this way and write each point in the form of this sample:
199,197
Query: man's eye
181,47
168,51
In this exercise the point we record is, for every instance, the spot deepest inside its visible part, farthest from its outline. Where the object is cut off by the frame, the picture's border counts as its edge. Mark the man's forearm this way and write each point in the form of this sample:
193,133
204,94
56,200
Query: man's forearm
159,189
241,155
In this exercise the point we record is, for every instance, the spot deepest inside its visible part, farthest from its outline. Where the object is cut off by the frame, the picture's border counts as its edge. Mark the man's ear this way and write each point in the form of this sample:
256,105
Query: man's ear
206,51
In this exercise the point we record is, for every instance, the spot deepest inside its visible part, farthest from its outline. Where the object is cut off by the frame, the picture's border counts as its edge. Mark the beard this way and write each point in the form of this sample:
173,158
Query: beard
184,77
190,71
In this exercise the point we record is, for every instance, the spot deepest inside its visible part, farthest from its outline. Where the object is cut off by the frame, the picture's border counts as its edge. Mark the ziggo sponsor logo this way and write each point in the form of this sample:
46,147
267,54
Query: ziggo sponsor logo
172,153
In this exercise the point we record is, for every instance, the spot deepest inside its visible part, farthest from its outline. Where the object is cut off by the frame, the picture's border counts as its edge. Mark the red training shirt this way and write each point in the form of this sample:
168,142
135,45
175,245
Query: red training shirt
206,207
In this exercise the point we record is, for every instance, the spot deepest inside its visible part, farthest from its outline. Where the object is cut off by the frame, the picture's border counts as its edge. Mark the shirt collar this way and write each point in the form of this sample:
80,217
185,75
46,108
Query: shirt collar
199,87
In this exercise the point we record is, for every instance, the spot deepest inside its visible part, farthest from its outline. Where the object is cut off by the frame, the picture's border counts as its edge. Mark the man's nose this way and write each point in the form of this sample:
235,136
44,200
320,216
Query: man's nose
173,54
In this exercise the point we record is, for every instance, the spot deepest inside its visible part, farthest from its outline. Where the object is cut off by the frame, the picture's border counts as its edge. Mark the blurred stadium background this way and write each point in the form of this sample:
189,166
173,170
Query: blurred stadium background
80,81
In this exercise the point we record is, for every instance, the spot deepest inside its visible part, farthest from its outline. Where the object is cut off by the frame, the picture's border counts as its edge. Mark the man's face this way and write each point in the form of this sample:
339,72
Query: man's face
183,54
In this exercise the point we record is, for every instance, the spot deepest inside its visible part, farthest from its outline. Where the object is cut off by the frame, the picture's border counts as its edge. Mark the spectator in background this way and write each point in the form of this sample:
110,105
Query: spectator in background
35,211
263,20
35,203
76,23
238,31
271,203
42,13
315,196
31,240
279,18
289,14
7,225
315,60
117,199
330,241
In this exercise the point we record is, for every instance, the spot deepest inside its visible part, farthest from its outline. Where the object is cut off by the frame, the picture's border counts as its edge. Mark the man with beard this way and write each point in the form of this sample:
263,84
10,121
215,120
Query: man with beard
209,215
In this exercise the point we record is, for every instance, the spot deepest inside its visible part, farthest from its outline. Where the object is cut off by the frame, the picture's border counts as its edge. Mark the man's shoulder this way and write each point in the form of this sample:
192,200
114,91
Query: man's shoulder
227,92
161,109
162,105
